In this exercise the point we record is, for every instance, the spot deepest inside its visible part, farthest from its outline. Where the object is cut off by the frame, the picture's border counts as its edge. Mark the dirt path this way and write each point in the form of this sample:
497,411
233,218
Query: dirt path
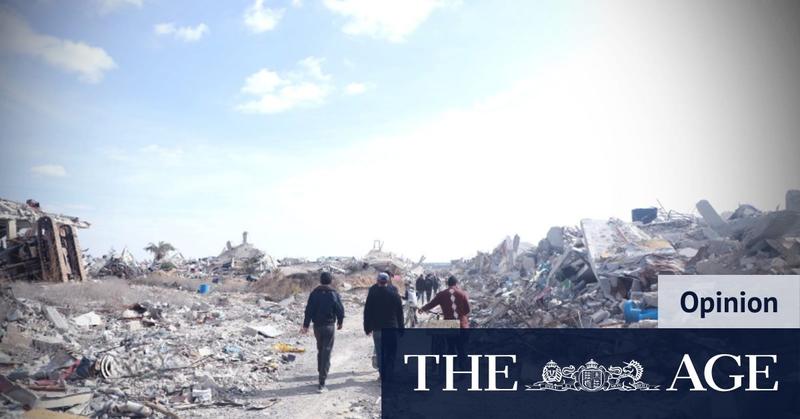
354,389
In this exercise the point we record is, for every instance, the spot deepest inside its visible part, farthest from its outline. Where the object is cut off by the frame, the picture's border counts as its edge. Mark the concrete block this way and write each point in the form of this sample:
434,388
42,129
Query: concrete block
712,218
56,318
793,200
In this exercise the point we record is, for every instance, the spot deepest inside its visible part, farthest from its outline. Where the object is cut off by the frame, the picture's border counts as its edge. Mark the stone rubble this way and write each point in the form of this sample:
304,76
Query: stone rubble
153,358
582,276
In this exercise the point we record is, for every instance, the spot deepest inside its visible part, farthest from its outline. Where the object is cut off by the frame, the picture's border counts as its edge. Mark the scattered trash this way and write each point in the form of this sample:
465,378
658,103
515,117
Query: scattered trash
232,349
201,395
285,347
634,314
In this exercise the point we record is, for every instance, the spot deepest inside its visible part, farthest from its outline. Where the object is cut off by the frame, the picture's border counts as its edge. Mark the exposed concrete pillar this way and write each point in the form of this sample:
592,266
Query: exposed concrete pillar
793,200
244,237
712,218
11,228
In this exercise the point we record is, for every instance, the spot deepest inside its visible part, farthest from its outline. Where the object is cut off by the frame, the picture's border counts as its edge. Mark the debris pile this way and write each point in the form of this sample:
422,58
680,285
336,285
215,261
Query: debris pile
160,357
123,265
586,276
243,259
36,245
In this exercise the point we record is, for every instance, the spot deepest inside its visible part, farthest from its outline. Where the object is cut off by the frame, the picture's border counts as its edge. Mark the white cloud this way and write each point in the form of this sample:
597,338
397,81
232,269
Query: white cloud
297,3
184,33
304,87
260,18
54,170
87,61
388,19
355,88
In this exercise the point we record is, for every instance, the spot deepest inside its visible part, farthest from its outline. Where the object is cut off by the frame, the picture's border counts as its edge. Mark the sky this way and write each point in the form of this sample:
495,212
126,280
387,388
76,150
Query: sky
436,126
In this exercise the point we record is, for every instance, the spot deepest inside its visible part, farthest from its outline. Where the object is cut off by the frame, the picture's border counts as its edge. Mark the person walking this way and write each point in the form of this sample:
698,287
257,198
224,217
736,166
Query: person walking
325,310
453,301
410,296
428,287
437,283
420,286
383,320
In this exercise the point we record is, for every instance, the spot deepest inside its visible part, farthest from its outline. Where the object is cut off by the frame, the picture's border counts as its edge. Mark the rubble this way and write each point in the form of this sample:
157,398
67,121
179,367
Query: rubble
242,259
189,352
584,276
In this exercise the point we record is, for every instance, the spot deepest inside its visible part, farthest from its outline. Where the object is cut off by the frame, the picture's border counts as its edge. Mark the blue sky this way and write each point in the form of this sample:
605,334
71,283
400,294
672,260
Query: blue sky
318,126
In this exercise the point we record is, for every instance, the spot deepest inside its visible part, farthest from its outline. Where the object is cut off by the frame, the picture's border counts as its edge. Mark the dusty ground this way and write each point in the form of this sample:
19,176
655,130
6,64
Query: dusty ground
261,382
354,390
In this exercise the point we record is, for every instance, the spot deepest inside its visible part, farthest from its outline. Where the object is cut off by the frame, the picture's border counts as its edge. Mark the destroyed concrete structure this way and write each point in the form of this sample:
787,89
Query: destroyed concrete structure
164,356
586,276
37,245
243,258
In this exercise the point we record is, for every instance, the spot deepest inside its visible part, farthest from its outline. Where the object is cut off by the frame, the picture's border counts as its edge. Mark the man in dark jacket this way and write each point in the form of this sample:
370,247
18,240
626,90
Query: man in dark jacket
428,287
324,309
383,320
420,286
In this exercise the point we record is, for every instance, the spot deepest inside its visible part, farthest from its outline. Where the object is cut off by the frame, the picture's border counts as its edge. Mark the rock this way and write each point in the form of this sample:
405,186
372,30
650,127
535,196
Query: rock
49,343
599,316
201,395
56,318
130,314
88,319
555,236
650,299
266,330
286,301
14,339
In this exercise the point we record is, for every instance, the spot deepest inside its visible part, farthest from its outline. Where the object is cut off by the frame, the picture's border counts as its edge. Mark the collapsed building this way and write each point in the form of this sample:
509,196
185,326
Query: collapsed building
244,258
37,245
592,274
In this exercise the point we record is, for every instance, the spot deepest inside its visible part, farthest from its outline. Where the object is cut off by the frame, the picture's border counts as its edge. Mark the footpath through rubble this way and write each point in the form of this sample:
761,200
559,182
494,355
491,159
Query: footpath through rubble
111,348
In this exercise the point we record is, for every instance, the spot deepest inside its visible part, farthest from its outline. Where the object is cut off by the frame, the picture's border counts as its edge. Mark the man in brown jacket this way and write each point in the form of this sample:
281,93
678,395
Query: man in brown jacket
453,301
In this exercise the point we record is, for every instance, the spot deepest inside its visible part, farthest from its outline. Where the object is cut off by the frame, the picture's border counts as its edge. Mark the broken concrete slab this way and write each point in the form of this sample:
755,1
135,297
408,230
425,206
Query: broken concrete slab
555,236
713,219
17,393
772,225
56,318
14,339
49,343
265,330
88,319
599,316
61,401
